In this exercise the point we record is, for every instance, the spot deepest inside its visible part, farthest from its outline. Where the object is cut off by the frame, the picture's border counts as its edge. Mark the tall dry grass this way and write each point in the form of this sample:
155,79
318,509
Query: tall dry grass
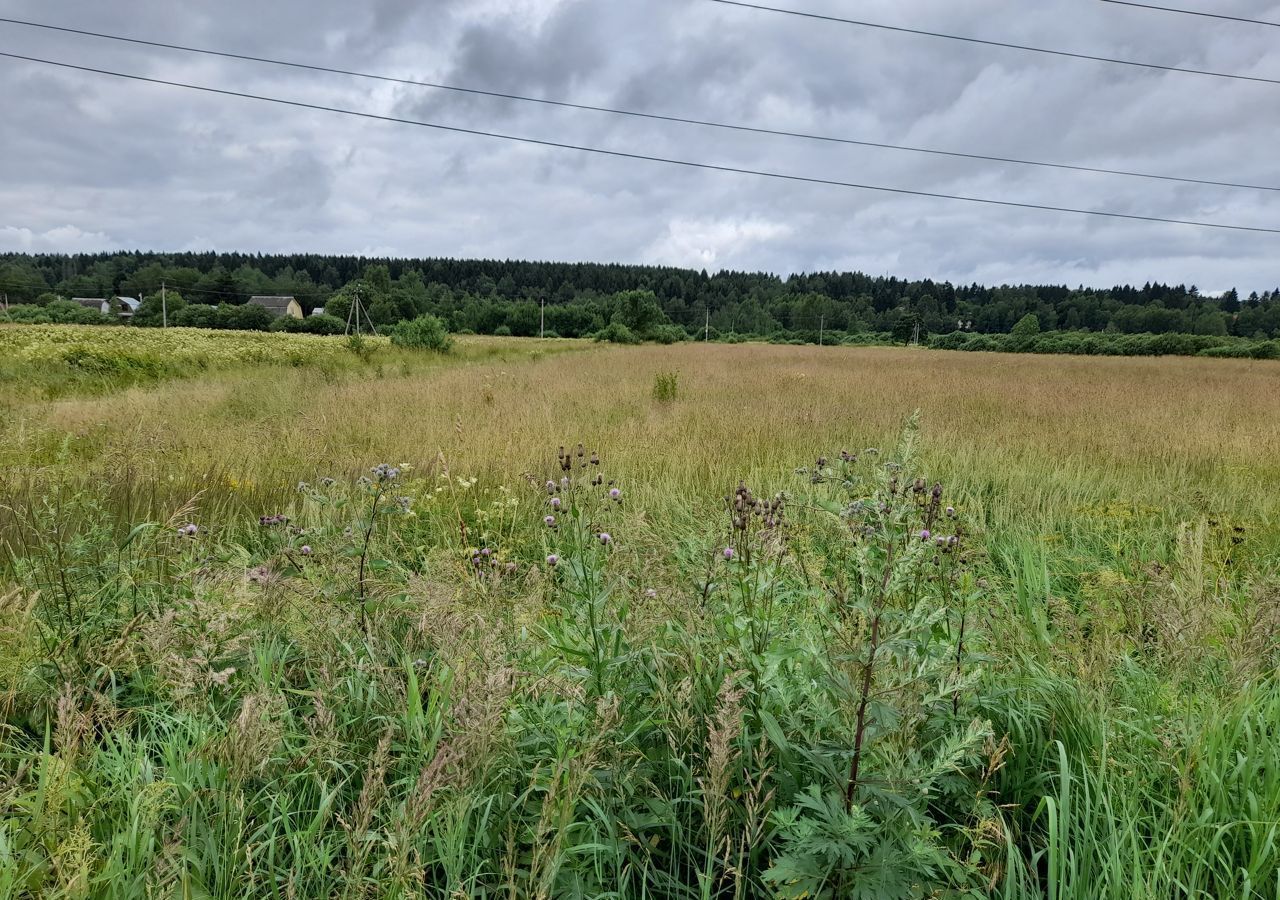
237,731
1040,433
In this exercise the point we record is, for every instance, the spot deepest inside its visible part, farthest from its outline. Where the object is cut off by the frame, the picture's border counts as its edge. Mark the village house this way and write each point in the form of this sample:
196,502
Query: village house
124,306
279,306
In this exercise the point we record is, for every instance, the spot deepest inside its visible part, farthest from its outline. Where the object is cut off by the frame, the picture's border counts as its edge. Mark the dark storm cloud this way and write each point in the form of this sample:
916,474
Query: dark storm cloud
96,162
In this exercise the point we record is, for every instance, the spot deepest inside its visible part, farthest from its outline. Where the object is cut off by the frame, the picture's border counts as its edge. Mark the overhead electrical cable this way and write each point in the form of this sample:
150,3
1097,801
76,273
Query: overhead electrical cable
16,285
1193,12
622,154
991,43
684,120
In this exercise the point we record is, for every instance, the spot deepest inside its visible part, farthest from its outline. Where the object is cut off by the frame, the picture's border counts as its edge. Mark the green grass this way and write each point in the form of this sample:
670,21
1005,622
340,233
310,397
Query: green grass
1077,700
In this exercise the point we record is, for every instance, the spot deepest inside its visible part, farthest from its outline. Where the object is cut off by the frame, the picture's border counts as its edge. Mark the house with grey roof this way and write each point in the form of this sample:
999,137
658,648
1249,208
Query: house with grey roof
125,307
279,306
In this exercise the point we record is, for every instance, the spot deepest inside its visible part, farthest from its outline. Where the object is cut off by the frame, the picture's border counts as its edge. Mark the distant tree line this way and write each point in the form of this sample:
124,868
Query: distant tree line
617,302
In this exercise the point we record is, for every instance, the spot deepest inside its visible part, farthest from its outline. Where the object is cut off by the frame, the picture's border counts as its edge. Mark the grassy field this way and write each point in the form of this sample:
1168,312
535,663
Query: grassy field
789,669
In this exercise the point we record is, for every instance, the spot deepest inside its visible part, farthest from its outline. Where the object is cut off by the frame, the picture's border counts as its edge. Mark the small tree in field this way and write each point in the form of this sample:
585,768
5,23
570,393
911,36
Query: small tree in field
1028,326
423,333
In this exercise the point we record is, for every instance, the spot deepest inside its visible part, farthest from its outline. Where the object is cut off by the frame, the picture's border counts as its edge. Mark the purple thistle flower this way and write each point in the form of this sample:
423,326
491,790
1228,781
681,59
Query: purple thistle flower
555,502
650,593
385,472
305,550
605,538
475,560
729,554
951,511
549,521
615,494
551,487
485,552
552,559
924,534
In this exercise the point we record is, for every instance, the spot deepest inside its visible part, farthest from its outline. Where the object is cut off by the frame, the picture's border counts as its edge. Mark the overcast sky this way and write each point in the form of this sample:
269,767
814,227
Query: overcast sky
98,163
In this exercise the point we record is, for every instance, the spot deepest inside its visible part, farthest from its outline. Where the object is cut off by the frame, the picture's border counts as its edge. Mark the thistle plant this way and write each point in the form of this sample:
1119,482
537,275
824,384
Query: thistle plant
381,503
753,556
577,546
897,745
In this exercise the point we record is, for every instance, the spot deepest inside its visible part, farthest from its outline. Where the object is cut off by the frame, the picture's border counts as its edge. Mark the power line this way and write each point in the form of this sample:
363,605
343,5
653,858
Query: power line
684,120
1193,12
621,154
989,43
294,294
45,287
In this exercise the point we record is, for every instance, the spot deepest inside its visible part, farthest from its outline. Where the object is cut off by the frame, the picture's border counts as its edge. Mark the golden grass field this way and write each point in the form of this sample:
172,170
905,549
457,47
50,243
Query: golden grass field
1032,430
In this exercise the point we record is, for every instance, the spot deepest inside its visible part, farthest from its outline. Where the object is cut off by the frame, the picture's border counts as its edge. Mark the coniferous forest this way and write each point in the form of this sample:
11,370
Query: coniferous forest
507,296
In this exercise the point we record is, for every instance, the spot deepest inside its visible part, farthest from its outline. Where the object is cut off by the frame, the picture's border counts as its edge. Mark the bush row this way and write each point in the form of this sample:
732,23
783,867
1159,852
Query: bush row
1105,344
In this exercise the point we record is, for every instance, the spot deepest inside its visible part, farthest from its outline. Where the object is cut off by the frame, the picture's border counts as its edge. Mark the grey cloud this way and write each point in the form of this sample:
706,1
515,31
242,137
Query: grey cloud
90,159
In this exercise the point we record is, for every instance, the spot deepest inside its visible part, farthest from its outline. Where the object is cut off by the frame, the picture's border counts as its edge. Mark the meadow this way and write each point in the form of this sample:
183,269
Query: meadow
554,619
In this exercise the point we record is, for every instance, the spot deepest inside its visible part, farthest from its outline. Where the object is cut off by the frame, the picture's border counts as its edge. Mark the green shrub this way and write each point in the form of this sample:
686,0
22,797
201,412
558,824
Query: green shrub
27,315
151,311
321,324
197,315
249,317
668,334
68,312
423,333
1085,343
1028,326
665,386
1259,350
616,333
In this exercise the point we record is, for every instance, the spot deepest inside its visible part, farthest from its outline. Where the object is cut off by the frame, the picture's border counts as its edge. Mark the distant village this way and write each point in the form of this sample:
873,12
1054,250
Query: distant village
125,307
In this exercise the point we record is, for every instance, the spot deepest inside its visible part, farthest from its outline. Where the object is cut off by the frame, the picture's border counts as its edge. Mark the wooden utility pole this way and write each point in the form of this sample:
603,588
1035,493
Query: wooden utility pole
542,323
706,334
822,325
353,312
164,307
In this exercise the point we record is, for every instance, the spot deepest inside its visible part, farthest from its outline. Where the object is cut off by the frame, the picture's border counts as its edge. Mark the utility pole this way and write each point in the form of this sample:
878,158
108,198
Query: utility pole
706,334
350,310
822,324
164,307
542,323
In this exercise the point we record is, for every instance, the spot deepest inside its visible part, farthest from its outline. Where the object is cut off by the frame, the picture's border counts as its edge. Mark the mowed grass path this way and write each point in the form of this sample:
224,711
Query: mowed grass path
1020,434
